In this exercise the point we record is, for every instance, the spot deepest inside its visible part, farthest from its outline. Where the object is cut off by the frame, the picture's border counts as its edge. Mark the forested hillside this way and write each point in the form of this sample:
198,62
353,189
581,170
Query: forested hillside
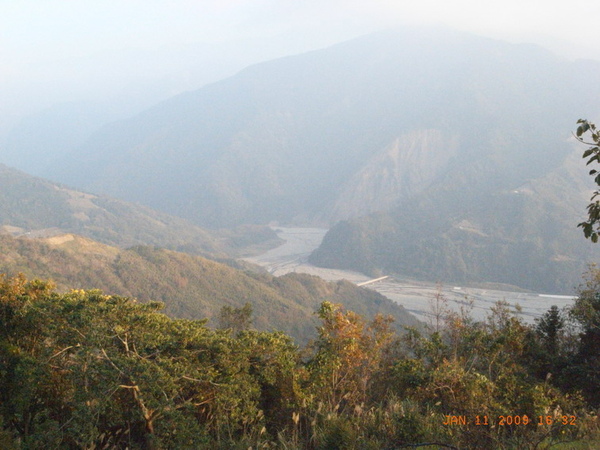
430,130
86,370
168,171
526,236
191,287
38,207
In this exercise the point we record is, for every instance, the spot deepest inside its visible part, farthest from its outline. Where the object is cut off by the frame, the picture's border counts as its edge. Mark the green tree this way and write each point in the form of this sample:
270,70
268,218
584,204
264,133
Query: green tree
588,134
586,310
549,328
584,369
87,370
236,319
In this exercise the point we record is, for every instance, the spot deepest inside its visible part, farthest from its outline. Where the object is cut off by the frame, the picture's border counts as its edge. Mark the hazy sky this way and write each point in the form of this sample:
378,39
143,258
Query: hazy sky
40,39
39,29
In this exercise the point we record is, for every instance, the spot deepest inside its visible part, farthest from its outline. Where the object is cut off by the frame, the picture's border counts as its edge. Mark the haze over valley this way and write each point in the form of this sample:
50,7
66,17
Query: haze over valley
302,225
432,153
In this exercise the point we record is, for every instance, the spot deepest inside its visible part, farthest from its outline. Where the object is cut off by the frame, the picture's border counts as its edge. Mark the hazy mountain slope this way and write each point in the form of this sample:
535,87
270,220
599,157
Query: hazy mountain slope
396,173
40,138
525,236
435,126
190,286
345,130
36,206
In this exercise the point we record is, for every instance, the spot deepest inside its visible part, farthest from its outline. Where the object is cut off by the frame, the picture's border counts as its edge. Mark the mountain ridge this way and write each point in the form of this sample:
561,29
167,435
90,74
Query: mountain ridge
190,286
525,237
35,206
277,140
432,124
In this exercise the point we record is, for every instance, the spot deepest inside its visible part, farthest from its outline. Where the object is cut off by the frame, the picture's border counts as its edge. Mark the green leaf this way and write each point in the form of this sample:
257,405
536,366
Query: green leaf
592,159
582,128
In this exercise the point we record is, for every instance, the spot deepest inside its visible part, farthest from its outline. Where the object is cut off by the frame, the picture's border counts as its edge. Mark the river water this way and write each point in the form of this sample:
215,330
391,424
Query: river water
418,297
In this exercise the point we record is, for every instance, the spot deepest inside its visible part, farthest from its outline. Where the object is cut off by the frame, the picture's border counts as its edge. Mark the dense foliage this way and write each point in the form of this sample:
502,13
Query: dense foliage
87,370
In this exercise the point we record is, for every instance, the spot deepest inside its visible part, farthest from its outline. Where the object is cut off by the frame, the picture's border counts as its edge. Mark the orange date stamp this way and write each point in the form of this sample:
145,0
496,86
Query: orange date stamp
508,420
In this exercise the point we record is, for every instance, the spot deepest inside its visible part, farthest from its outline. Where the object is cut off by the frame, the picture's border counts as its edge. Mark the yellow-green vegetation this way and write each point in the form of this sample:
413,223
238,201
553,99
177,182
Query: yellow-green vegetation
191,287
88,370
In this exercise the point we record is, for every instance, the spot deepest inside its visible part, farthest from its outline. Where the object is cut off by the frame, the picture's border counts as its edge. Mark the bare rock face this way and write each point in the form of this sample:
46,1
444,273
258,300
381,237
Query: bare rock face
405,167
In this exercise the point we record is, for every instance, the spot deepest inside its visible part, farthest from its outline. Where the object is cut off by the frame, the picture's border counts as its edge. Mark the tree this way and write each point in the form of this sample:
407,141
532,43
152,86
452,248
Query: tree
587,307
348,356
585,130
236,319
549,328
87,370
551,345
585,366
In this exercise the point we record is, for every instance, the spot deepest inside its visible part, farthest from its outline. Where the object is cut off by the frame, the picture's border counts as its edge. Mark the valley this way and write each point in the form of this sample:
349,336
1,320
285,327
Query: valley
373,238
451,165
415,296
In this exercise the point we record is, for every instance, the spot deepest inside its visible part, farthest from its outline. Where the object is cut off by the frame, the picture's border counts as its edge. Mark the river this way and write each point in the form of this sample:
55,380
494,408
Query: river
418,297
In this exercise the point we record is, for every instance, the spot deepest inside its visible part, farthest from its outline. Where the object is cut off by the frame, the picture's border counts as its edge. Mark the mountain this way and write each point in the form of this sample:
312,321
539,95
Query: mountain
40,223
345,131
190,286
37,207
417,137
525,237
39,138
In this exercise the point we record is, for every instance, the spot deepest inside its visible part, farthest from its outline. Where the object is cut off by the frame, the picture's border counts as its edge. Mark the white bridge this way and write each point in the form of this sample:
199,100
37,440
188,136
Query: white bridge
364,283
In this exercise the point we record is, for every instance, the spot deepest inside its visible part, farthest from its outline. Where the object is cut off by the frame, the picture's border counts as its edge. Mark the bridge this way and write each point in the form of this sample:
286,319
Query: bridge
364,283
